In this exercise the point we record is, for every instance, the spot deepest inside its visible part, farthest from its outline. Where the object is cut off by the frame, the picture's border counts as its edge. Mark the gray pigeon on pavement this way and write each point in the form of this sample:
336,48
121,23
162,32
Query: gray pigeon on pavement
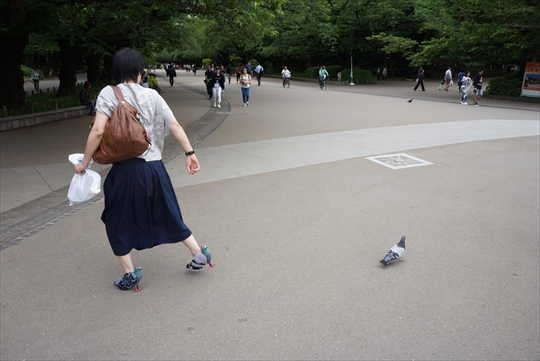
396,252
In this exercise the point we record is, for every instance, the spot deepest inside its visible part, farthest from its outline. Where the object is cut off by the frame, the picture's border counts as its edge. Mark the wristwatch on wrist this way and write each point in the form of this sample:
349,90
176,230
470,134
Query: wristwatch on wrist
190,153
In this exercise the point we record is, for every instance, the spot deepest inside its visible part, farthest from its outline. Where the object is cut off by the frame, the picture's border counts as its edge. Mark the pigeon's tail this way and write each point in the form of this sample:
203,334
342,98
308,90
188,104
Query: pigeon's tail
402,242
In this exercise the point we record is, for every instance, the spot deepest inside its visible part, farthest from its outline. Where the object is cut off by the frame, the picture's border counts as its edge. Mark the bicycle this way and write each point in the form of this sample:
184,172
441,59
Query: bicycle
322,82
287,82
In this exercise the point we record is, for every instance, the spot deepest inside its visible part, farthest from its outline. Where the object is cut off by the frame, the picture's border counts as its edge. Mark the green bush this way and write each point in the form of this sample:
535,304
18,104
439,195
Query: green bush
27,71
206,62
509,85
360,76
312,72
333,70
269,69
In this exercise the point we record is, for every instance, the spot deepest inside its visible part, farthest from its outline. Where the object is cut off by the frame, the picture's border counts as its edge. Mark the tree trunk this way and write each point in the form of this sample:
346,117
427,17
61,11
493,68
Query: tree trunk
93,64
11,57
69,60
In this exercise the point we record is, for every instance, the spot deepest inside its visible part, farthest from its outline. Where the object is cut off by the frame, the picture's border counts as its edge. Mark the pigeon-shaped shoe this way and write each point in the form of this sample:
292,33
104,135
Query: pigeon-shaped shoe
396,252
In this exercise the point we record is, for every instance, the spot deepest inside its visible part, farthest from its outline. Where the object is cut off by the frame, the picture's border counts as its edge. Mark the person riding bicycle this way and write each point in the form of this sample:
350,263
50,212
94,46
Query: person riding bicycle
286,74
323,74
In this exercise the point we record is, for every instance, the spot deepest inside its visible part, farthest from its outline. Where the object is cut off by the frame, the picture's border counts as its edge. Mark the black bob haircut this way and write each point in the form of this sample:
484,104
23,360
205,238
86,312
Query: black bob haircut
127,65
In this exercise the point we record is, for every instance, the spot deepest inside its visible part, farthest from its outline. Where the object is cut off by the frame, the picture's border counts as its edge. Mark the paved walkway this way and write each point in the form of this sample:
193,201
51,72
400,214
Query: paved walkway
298,218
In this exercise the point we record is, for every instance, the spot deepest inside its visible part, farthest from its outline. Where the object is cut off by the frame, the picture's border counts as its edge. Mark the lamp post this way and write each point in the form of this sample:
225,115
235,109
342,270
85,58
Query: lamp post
351,83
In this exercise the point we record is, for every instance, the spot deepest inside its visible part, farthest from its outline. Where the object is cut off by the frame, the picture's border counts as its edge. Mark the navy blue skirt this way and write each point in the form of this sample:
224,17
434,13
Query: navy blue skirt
141,209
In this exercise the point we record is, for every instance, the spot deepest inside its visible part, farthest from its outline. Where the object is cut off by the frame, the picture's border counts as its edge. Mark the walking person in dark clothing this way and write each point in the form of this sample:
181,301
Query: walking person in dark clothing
259,70
208,76
420,79
229,73
477,84
171,72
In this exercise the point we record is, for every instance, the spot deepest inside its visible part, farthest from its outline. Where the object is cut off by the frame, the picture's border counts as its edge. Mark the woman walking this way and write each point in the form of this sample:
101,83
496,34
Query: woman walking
141,209
218,86
466,83
238,72
245,84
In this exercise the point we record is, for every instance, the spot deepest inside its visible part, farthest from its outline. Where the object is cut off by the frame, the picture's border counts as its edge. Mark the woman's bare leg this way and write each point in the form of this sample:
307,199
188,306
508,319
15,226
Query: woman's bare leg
192,245
126,263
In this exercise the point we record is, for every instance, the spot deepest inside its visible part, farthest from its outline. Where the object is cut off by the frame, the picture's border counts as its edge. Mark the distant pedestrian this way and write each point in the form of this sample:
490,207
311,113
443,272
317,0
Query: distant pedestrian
86,98
259,70
171,72
35,78
385,73
460,76
229,73
466,83
249,69
218,86
286,75
238,72
420,79
245,84
194,67
208,76
477,84
448,78
144,80
323,75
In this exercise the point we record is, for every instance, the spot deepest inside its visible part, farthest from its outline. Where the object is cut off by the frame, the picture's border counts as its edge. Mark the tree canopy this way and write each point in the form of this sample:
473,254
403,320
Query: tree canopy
72,34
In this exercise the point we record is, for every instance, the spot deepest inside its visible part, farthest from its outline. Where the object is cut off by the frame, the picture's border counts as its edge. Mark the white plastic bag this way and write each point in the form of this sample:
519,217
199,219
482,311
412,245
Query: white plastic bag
83,186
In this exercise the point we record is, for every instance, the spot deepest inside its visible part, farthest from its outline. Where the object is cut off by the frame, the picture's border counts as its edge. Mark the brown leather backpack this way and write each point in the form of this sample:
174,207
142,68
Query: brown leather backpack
124,136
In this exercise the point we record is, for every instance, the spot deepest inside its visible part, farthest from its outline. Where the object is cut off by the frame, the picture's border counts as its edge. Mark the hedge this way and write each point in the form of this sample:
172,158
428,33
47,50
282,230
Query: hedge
360,76
509,85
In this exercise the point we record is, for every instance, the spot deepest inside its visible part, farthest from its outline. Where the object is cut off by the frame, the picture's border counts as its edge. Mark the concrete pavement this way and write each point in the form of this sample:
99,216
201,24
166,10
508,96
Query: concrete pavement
298,219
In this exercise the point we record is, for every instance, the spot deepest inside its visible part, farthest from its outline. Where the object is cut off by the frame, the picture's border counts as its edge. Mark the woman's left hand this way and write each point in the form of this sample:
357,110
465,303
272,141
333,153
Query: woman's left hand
192,164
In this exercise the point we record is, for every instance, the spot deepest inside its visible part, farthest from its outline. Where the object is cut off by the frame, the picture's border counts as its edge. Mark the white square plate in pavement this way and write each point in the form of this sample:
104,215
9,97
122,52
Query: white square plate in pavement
398,161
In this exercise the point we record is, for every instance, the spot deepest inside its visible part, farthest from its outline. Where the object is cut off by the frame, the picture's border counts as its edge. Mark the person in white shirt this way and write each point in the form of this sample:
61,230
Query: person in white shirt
448,78
286,74
35,79
259,70
466,83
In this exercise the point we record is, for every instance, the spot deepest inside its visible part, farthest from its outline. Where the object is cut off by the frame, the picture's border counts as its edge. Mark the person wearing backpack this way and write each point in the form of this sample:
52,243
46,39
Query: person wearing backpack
141,210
